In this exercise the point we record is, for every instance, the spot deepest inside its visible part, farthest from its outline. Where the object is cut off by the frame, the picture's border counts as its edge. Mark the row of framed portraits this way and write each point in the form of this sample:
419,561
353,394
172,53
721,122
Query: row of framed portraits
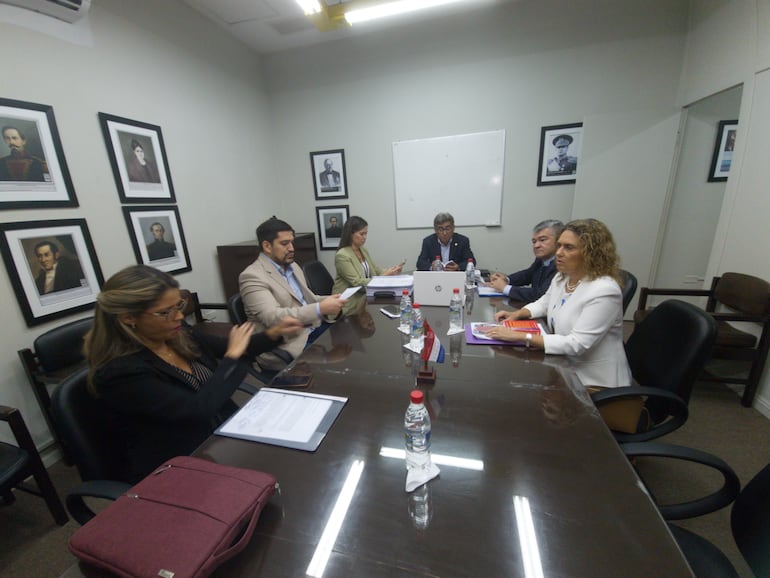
53,265
33,168
330,181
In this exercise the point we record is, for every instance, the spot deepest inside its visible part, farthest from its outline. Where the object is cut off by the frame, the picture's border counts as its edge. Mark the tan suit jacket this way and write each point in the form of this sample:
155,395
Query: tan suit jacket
267,297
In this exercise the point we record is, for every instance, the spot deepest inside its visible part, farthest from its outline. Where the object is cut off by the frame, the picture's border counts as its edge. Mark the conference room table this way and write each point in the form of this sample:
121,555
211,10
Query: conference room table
532,483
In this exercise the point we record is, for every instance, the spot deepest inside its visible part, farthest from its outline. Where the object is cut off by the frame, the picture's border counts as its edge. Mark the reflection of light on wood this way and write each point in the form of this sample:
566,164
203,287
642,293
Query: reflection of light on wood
530,553
465,463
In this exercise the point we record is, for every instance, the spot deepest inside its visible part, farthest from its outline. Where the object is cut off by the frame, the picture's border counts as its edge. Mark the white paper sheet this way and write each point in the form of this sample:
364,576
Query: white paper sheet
280,414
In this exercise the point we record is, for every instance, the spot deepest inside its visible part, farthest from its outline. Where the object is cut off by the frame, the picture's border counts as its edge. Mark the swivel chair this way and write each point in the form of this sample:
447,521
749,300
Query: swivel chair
318,278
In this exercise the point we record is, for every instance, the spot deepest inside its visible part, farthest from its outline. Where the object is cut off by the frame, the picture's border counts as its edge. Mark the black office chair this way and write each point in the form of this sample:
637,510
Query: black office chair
628,289
665,353
236,310
17,463
318,278
87,430
749,518
55,355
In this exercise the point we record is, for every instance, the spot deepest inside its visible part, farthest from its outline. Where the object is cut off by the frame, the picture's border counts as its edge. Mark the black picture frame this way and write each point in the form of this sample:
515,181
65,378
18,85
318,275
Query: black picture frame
170,254
137,183
328,240
328,182
40,177
722,157
553,168
28,248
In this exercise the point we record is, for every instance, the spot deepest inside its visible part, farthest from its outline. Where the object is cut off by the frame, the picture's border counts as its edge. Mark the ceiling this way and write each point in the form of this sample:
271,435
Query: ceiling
274,25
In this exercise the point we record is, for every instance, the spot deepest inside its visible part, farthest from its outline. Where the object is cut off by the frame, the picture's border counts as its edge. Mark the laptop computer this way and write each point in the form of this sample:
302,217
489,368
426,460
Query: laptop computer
435,287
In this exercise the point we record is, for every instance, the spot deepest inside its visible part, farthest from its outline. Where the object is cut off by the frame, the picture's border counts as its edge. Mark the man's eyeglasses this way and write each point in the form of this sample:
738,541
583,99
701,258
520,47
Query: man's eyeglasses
448,229
169,313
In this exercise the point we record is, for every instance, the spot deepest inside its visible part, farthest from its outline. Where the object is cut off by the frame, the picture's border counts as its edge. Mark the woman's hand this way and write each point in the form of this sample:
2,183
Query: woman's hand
238,340
504,334
286,327
394,270
503,315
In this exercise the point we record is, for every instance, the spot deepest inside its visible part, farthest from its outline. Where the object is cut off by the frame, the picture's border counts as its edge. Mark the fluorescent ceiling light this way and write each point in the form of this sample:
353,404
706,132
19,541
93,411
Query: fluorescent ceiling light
465,463
310,6
391,9
530,553
334,523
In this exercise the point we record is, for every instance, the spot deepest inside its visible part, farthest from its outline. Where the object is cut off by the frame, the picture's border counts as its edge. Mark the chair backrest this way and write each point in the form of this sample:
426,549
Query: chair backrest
628,289
318,278
744,293
669,347
750,522
87,428
62,346
236,310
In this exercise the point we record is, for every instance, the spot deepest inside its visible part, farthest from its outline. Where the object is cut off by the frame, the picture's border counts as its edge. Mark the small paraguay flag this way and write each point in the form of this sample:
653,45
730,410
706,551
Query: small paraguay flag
432,349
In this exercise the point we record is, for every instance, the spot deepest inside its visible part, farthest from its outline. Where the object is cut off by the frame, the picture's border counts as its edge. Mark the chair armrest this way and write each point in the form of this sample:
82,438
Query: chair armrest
645,291
677,409
247,387
725,316
6,411
105,489
715,501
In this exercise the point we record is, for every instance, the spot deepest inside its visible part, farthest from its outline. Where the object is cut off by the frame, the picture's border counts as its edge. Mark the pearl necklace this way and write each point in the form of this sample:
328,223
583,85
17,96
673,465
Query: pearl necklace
571,288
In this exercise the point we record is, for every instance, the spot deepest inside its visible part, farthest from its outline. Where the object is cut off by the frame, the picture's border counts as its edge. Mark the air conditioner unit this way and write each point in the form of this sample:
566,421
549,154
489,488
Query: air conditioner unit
67,10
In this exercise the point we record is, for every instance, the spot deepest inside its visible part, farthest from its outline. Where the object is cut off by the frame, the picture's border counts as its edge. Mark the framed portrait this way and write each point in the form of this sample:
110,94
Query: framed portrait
559,154
157,236
33,171
52,266
138,159
724,144
330,222
329,178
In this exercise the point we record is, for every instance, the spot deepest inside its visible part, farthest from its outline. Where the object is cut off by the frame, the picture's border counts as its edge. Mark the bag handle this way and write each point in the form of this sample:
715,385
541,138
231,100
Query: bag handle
245,536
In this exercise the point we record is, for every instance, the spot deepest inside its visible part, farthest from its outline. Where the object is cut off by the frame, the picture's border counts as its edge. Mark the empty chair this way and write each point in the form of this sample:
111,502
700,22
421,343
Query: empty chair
55,355
665,353
318,278
748,299
628,289
20,462
749,518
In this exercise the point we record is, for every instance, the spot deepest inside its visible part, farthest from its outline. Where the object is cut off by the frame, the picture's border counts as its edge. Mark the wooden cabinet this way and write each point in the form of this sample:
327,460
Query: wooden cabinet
236,257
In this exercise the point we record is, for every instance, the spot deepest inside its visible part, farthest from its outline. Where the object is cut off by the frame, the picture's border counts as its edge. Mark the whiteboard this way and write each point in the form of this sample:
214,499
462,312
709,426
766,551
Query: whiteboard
461,175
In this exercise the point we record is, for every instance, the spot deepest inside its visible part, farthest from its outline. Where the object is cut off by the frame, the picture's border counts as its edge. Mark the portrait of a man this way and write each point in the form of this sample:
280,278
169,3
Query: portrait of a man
333,229
329,177
159,248
562,163
19,164
56,272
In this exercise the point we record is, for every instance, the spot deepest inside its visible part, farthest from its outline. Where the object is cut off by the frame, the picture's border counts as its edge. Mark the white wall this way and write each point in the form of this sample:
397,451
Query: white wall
512,66
742,235
161,63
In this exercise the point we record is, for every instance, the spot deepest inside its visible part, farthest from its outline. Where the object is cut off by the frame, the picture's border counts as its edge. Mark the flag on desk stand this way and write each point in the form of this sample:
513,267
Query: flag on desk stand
432,349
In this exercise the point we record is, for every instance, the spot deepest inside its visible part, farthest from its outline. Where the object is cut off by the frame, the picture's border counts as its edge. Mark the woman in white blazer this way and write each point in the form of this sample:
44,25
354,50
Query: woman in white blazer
582,307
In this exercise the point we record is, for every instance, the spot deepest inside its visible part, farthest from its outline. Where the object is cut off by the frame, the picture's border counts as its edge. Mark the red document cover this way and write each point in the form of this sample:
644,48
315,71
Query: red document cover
526,325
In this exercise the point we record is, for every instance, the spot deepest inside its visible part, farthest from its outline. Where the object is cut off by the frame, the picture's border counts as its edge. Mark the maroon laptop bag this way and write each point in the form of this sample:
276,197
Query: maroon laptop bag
183,520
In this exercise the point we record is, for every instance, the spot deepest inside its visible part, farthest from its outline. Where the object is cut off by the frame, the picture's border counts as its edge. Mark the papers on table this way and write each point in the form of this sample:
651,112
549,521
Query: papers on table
393,284
349,292
485,291
284,418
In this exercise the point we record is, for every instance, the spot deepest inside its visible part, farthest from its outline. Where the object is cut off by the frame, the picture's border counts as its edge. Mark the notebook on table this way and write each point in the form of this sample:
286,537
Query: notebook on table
435,287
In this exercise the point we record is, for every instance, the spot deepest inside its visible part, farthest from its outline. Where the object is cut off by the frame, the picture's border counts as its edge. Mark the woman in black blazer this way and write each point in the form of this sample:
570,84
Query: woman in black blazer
160,382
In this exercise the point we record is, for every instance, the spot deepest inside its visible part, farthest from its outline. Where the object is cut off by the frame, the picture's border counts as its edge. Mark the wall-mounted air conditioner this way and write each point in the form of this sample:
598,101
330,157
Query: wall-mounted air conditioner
67,10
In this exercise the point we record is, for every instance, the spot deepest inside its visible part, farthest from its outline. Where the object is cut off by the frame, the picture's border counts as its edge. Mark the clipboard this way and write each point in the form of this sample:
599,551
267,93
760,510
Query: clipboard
260,419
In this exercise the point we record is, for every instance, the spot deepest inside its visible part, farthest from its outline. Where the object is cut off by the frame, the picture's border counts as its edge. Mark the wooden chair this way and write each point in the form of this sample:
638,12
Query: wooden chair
19,463
748,300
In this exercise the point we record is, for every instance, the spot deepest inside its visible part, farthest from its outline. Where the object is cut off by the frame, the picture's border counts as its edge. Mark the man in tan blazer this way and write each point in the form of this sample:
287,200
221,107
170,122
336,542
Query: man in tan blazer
274,286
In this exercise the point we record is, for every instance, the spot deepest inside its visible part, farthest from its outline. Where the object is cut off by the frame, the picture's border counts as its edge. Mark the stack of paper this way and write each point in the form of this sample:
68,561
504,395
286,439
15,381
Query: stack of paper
394,284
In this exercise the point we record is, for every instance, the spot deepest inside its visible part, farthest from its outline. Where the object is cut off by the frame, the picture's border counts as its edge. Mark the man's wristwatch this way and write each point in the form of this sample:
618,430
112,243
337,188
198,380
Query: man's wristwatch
528,339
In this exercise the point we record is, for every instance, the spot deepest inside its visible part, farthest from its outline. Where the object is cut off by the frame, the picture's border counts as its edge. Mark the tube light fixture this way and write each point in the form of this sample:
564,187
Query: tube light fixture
390,9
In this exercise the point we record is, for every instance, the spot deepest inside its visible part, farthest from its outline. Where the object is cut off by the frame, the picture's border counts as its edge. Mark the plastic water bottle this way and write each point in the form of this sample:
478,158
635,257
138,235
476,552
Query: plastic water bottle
470,274
417,332
456,310
420,507
417,432
437,265
405,319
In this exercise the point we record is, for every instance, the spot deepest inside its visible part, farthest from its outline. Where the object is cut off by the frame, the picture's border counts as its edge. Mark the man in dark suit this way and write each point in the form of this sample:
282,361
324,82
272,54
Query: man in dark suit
159,248
56,274
530,284
330,179
333,230
454,249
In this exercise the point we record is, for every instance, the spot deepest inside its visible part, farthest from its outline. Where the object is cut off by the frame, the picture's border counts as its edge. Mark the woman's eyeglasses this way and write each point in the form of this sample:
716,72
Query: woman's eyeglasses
169,313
